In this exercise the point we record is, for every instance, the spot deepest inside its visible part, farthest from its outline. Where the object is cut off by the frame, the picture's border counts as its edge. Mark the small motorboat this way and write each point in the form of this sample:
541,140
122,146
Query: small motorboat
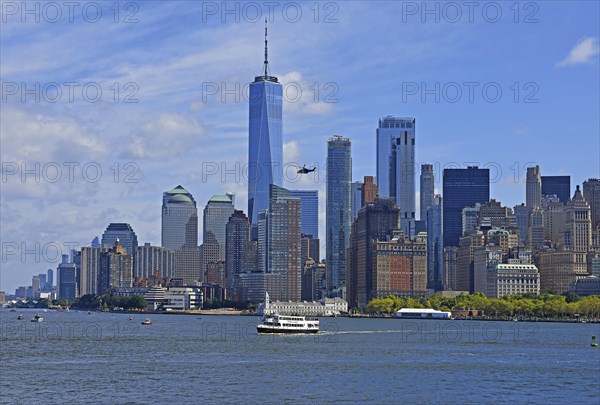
147,321
20,317
37,318
130,319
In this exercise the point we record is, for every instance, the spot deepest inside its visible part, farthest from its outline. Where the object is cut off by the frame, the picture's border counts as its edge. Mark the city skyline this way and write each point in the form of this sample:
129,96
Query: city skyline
91,206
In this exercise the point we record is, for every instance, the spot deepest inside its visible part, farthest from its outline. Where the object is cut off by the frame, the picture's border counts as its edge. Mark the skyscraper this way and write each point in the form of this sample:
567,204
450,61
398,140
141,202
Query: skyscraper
427,190
591,193
533,188
435,248
462,188
179,219
216,215
237,234
338,216
378,220
265,147
309,201
369,191
66,279
356,197
180,233
116,269
124,233
396,165
558,185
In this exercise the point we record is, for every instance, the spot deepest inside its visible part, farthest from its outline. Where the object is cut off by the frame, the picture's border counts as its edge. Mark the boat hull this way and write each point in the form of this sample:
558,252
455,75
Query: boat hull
280,331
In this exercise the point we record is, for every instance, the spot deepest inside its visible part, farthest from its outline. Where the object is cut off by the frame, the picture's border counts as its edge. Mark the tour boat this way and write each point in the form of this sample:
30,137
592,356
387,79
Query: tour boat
288,324
37,318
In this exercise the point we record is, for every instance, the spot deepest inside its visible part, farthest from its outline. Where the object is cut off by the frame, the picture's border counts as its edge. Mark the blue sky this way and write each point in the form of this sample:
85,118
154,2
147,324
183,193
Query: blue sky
367,60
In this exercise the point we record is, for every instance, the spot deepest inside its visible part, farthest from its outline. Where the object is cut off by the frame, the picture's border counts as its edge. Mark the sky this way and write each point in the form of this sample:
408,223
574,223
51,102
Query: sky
107,105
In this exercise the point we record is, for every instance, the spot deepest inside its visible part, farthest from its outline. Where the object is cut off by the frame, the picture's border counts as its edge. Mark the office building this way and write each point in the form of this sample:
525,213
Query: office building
376,221
462,188
369,191
591,194
116,269
66,279
427,190
124,233
237,233
396,165
154,264
265,147
533,188
557,185
512,278
356,197
435,247
309,202
578,230
339,210
179,219
217,212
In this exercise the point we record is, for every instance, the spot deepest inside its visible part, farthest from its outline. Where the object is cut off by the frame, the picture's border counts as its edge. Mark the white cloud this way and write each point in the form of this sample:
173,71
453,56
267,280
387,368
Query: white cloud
302,96
584,52
167,135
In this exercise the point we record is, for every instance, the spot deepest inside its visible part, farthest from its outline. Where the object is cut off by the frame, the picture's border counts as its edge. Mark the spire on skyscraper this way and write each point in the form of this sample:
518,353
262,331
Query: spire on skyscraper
266,53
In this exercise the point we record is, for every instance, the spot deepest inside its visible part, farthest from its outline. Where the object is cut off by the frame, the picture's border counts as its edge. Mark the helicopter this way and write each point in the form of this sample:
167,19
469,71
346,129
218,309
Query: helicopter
305,170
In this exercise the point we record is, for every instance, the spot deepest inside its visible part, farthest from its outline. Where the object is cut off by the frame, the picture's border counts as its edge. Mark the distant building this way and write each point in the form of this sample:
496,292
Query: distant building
237,233
427,182
396,166
509,279
585,286
338,215
465,260
450,268
376,221
313,281
116,269
90,268
50,280
265,142
124,233
309,202
179,220
67,279
324,307
462,188
217,212
533,188
591,193
558,185
356,197
578,230
399,267
182,298
154,263
369,191
435,246
522,221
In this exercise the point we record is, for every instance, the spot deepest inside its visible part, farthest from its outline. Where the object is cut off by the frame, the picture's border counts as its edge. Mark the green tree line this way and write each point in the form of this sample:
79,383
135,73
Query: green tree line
98,302
522,305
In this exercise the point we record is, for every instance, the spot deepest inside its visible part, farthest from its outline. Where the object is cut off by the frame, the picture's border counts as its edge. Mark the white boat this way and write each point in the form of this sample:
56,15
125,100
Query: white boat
37,318
288,324
147,321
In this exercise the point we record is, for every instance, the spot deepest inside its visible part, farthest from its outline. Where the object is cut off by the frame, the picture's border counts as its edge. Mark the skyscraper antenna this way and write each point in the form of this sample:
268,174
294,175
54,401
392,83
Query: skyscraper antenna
266,54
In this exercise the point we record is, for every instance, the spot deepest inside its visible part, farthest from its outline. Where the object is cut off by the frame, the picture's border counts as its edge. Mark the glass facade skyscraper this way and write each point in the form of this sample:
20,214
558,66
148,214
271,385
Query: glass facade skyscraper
396,166
265,146
179,219
339,209
435,248
558,185
462,188
309,205
125,234
217,212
